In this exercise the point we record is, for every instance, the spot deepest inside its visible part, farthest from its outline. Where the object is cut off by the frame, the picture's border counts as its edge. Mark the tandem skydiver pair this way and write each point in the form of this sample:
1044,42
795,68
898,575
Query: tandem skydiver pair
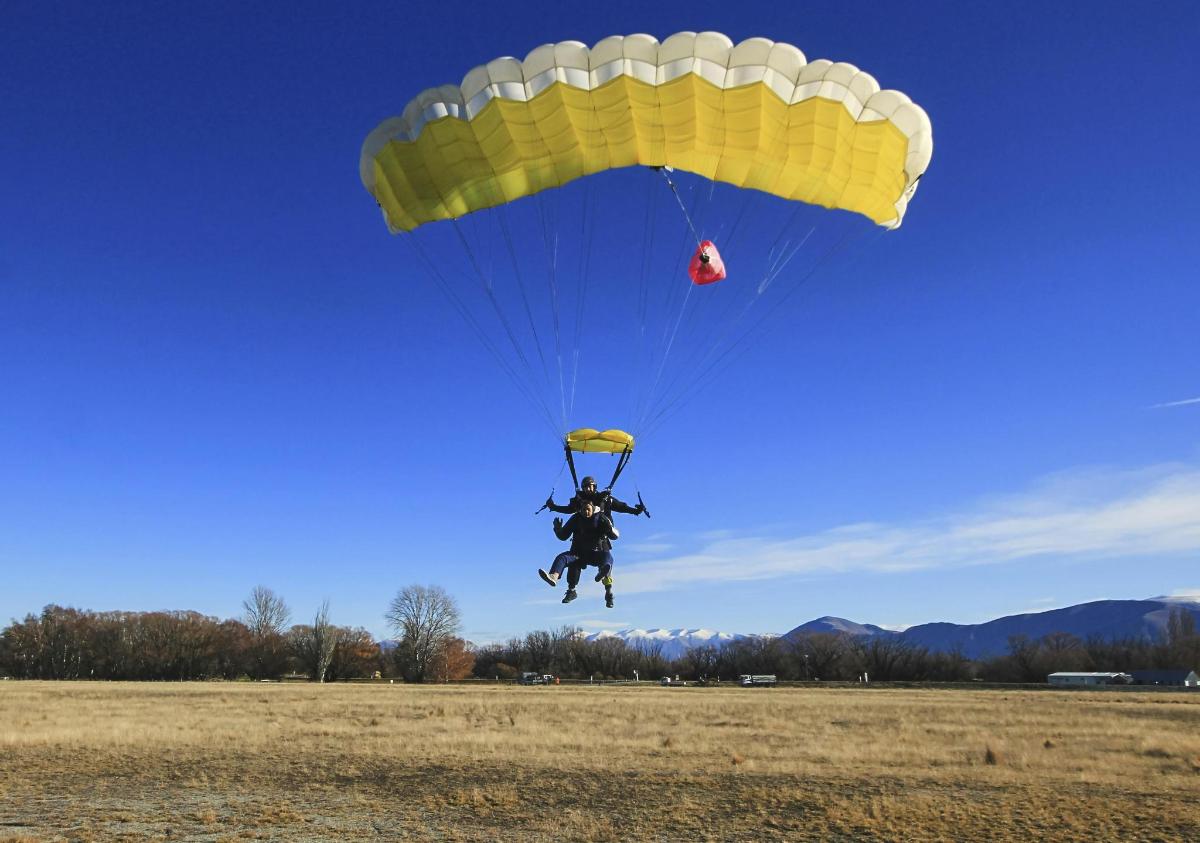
590,527
591,531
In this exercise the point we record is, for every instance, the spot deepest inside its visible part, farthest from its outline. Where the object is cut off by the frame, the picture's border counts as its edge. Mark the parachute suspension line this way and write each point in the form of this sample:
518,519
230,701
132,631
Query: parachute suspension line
622,461
667,351
705,302
682,207
638,382
587,234
486,222
701,207
681,317
553,486
702,210
776,264
656,352
781,263
502,215
737,223
460,307
490,291
571,463
551,250
648,228
740,344
491,295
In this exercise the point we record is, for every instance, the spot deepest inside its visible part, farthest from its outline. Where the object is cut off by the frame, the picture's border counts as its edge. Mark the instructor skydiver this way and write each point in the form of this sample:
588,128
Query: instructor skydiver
604,499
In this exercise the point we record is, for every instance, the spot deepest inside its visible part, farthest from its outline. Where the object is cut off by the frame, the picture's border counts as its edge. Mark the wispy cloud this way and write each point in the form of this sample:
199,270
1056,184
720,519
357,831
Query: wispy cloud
1182,403
1082,514
650,547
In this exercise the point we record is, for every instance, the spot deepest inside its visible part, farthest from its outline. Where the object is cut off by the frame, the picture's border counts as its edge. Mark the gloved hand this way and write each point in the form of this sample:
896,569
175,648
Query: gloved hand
641,507
550,501
558,522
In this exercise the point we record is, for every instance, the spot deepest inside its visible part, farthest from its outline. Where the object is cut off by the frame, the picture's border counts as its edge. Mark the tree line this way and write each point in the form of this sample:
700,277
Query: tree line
838,657
67,643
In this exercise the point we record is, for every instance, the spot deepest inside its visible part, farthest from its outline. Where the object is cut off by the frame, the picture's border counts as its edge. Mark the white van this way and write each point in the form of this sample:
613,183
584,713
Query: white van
750,680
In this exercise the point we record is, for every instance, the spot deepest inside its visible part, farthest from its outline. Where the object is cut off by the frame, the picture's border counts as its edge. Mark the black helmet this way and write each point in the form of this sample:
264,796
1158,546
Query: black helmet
585,481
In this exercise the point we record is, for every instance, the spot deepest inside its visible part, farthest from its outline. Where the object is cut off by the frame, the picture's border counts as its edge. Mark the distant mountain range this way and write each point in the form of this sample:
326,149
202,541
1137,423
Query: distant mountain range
1110,619
675,642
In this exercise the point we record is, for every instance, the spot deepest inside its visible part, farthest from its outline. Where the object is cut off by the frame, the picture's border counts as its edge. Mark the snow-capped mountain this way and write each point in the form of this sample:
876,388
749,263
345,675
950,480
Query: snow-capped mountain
675,642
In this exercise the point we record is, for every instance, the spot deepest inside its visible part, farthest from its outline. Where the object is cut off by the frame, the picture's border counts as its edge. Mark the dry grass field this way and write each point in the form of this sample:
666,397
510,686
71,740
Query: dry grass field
208,761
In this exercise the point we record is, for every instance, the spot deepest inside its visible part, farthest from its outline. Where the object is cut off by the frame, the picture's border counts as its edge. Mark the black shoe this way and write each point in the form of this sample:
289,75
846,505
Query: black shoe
608,599
570,595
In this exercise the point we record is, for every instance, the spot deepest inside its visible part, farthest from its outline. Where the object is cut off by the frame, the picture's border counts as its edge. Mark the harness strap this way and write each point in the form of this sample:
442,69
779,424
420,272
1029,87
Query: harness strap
571,464
621,463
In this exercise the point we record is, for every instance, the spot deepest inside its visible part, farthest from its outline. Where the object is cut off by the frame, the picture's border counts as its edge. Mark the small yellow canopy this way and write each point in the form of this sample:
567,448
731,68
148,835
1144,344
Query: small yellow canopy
592,441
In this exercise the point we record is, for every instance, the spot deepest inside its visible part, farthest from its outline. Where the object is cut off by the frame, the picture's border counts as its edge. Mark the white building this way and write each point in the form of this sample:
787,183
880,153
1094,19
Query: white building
1184,678
1068,678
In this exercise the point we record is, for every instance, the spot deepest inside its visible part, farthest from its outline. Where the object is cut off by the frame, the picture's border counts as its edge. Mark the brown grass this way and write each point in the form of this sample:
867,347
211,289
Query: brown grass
92,761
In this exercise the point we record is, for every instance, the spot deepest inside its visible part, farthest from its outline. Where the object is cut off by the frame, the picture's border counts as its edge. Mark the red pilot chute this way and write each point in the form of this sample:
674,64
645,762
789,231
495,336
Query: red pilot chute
706,265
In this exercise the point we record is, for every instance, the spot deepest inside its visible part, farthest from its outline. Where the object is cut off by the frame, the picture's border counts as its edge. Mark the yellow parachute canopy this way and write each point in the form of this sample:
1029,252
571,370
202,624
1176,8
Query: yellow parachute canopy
592,441
756,115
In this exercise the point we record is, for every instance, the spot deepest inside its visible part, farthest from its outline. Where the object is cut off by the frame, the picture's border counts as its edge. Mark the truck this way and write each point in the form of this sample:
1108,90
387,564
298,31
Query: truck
537,679
757,680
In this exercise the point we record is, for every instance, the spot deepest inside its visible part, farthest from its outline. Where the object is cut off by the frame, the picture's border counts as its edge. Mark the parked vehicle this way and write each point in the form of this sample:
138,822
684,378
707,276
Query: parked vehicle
757,680
537,679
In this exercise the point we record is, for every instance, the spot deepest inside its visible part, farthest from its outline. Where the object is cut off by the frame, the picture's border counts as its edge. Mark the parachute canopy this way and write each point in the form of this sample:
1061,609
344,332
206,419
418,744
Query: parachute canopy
755,115
592,441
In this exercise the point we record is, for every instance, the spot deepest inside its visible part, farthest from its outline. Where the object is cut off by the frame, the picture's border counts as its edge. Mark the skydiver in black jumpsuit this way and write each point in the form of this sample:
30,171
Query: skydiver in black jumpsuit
608,505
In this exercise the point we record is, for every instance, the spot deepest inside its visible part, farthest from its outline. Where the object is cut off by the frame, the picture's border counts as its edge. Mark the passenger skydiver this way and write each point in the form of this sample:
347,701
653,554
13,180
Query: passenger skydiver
607,505
591,532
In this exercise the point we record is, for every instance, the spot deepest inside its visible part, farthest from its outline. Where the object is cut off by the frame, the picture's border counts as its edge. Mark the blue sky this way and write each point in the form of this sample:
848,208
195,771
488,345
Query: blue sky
218,370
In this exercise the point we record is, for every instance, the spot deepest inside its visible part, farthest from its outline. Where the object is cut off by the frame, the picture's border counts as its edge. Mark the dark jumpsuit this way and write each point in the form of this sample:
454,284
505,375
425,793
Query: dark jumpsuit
601,498
591,539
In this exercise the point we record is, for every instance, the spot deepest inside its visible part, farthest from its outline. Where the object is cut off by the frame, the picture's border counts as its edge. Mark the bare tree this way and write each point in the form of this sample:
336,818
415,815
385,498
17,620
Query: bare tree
453,661
266,618
325,638
825,654
702,661
313,646
424,620
653,662
266,613
355,655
